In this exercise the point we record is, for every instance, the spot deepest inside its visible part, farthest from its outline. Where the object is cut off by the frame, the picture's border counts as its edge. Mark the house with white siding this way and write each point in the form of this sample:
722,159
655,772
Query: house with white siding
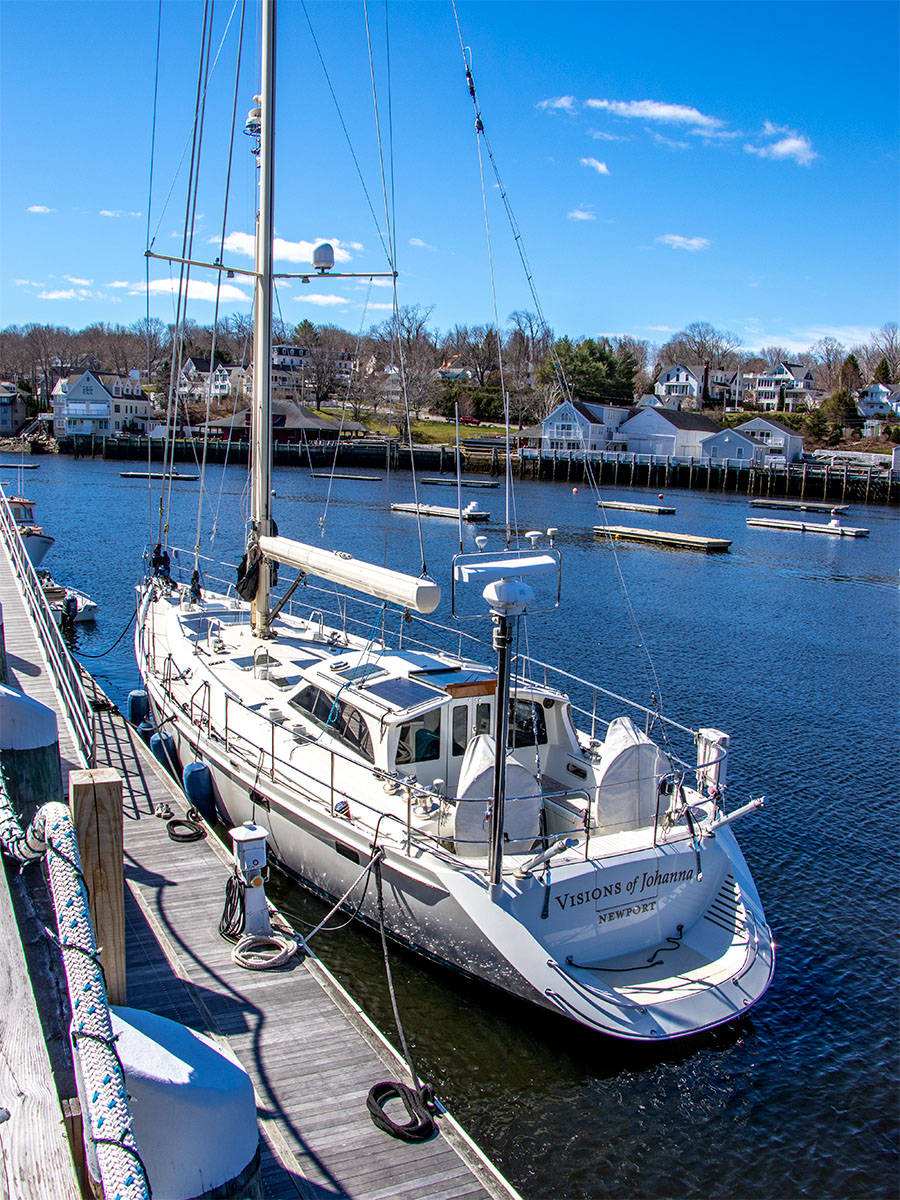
99,402
578,428
691,383
662,431
789,384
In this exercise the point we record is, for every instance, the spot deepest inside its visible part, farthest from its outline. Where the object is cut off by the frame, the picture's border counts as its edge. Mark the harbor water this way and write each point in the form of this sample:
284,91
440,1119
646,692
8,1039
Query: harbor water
788,642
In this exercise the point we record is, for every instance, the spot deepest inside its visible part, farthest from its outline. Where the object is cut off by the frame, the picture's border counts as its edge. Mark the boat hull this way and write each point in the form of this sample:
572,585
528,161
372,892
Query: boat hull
525,939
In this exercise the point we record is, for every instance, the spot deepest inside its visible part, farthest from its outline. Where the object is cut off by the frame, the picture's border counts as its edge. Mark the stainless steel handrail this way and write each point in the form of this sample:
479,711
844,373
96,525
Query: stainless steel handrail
64,670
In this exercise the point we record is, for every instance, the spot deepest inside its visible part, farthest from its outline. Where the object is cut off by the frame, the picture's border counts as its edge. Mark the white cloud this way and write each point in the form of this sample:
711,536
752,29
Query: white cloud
600,167
581,214
323,300
790,145
110,212
660,329
382,307
669,143
600,135
62,294
656,110
40,208
197,289
678,242
79,282
414,241
28,283
119,283
557,104
285,251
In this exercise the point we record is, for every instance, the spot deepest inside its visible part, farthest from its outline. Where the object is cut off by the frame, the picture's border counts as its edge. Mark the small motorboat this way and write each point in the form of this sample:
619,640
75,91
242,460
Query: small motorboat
36,542
68,605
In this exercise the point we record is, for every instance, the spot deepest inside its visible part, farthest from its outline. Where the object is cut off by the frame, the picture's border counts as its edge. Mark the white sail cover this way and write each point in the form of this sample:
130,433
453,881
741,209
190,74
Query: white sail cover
521,813
629,772
394,586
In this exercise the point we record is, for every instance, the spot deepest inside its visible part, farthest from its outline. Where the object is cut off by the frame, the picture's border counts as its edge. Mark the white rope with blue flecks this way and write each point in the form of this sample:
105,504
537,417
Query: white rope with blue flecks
102,1080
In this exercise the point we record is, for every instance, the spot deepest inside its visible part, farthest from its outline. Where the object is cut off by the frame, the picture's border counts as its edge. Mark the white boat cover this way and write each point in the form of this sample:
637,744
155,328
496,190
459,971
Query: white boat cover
471,820
629,772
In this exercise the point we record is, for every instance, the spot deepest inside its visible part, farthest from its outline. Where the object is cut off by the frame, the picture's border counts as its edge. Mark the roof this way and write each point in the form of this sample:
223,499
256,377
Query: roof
596,413
287,415
774,425
685,420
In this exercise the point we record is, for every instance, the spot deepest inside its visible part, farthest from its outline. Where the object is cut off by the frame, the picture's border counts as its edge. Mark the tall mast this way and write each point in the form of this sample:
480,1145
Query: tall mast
261,431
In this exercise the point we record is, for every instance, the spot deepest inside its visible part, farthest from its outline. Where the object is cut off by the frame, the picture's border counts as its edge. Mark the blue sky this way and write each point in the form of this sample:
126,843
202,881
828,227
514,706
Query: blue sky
666,162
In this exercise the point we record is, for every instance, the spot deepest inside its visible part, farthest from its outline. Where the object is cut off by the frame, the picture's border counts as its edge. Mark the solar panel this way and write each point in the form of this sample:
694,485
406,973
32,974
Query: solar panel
405,693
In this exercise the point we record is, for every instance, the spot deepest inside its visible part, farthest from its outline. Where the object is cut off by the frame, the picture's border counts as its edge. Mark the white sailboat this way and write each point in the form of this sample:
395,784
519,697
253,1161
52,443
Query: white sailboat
585,869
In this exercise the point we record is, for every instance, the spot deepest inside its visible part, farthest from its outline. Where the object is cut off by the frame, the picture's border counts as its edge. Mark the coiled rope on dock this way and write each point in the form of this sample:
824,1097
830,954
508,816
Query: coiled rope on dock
51,836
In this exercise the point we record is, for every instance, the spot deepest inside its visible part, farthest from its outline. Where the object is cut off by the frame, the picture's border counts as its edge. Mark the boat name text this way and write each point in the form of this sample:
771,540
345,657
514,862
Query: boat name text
642,882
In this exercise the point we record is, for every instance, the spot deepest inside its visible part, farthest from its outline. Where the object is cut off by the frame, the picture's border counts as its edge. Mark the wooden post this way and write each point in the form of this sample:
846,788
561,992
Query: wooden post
95,798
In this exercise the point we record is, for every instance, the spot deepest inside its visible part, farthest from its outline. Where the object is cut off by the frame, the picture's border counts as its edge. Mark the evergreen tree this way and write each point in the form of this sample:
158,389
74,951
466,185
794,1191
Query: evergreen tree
883,373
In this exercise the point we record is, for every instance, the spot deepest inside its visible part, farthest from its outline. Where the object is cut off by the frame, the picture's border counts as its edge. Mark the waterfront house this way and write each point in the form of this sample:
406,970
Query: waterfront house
729,445
198,378
693,383
578,428
787,387
662,431
778,442
99,403
13,414
878,400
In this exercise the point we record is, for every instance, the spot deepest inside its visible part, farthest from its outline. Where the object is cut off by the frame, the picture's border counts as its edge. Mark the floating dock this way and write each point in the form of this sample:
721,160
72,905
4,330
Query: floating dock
833,527
18,466
339,475
469,513
660,537
451,482
800,505
310,1051
625,504
159,475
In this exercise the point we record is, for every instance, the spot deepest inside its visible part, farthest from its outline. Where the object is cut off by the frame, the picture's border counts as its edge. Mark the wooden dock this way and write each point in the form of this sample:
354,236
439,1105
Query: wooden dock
833,527
452,482
625,504
310,1050
800,505
343,475
158,475
660,537
469,513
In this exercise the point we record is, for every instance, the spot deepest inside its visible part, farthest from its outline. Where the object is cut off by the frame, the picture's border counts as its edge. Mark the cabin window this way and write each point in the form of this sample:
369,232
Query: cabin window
526,720
337,716
420,739
483,718
460,731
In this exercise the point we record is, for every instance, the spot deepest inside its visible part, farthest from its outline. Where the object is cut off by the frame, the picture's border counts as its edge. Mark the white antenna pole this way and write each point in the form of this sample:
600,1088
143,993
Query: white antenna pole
261,435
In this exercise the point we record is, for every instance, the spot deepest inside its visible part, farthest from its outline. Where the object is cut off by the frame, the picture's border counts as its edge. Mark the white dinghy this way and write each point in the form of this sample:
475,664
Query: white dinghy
523,838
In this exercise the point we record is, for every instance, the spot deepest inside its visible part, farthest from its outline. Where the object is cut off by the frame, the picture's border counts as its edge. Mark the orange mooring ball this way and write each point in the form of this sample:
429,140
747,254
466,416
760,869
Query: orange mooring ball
574,491
660,495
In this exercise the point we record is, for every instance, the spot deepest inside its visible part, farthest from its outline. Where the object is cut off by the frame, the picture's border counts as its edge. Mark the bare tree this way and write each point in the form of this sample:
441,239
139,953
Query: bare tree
886,344
701,342
827,356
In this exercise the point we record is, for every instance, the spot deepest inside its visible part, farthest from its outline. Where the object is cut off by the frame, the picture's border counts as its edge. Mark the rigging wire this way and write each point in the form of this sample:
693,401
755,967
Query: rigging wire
212,352
147,260
559,372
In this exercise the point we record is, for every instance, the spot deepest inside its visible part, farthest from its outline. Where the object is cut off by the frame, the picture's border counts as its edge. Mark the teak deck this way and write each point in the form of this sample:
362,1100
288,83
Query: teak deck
311,1052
